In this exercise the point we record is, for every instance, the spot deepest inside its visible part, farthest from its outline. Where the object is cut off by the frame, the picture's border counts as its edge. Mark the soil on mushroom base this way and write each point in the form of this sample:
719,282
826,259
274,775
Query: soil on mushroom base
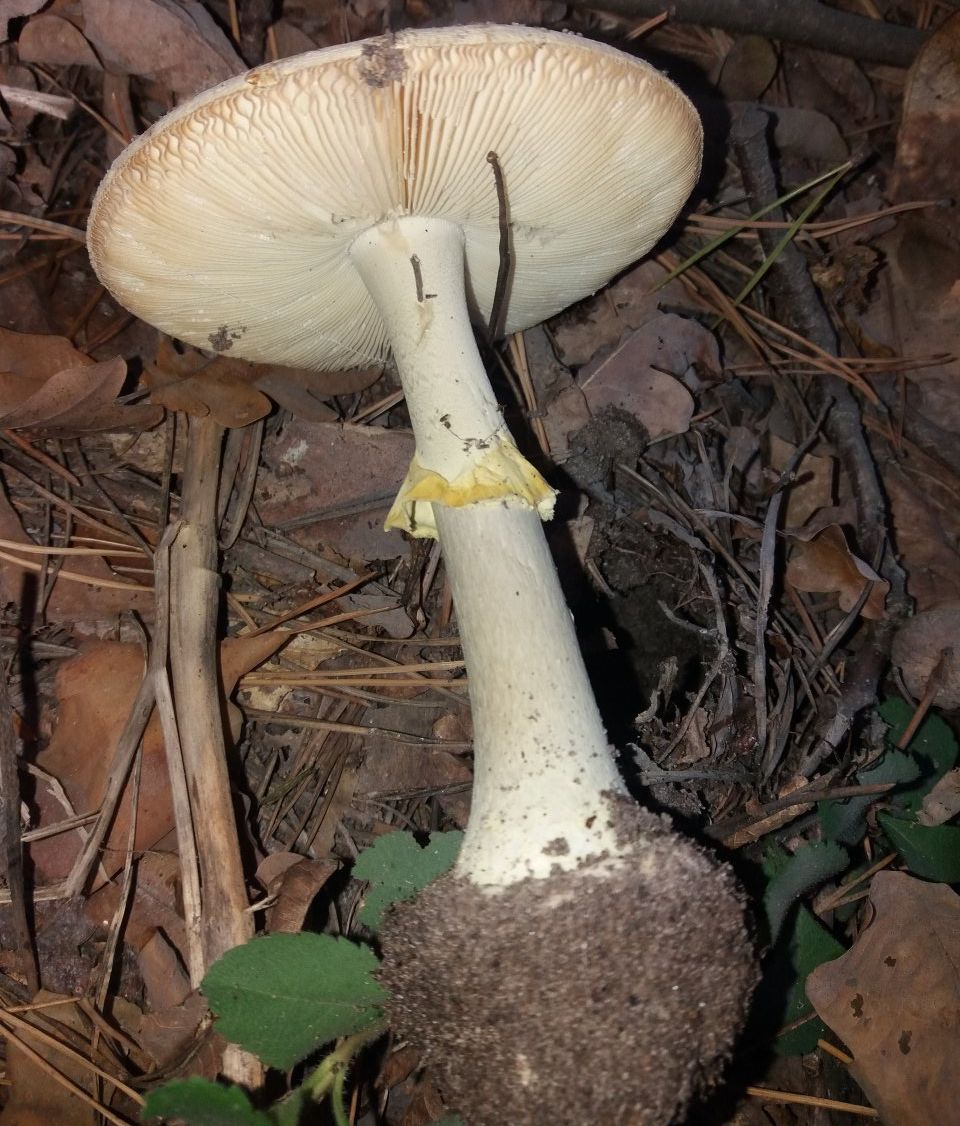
577,999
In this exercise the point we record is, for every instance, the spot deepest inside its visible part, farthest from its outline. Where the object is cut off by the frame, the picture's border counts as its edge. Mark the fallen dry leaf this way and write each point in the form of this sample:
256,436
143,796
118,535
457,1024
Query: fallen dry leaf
748,68
156,905
928,162
95,691
173,42
164,976
221,388
303,392
336,483
807,134
926,534
217,392
36,356
391,767
629,303
167,1033
813,485
926,644
894,1000
824,564
640,376
34,1098
73,599
55,41
295,890
290,39
47,384
235,391
921,251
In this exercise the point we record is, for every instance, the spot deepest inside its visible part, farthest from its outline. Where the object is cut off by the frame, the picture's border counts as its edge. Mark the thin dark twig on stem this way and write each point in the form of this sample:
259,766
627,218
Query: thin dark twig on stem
498,313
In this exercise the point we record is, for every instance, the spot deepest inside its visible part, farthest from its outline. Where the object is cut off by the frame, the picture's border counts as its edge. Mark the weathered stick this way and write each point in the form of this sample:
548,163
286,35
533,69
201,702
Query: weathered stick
194,608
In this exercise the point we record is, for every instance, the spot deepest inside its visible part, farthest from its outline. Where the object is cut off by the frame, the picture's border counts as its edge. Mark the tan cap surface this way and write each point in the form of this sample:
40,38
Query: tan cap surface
227,224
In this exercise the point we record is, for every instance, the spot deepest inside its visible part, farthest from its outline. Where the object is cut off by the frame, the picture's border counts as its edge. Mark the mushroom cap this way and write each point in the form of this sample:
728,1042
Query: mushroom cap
228,223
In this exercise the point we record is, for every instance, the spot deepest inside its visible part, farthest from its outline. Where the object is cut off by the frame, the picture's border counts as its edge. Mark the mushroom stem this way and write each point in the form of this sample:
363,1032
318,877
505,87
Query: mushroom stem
543,766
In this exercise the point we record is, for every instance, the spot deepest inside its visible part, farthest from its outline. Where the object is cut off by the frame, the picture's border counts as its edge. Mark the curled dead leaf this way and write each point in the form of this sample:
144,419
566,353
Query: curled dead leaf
825,564
95,691
216,392
176,44
235,392
54,41
295,890
47,384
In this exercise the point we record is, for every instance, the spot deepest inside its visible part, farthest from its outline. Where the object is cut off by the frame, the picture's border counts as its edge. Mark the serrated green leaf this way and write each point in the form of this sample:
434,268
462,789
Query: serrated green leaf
285,995
774,859
808,867
202,1103
930,851
397,868
810,945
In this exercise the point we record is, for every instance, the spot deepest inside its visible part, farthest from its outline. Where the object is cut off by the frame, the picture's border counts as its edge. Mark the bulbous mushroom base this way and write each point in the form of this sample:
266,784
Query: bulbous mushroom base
580,998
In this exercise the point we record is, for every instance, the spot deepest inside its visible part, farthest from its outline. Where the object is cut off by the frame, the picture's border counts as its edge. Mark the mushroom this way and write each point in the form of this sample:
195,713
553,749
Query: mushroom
582,962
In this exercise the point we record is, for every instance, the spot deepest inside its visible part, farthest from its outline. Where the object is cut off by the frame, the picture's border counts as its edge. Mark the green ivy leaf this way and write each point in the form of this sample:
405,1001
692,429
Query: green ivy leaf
930,851
397,868
933,747
810,945
811,865
284,995
845,821
202,1103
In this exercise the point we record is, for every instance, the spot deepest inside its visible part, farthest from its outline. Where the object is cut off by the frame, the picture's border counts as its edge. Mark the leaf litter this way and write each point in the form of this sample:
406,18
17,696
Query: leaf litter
734,578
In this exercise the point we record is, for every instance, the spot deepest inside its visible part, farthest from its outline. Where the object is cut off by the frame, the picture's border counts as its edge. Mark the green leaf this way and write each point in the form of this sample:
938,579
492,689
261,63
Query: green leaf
845,821
201,1103
810,945
930,851
284,995
812,864
290,1110
449,1120
397,868
933,746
